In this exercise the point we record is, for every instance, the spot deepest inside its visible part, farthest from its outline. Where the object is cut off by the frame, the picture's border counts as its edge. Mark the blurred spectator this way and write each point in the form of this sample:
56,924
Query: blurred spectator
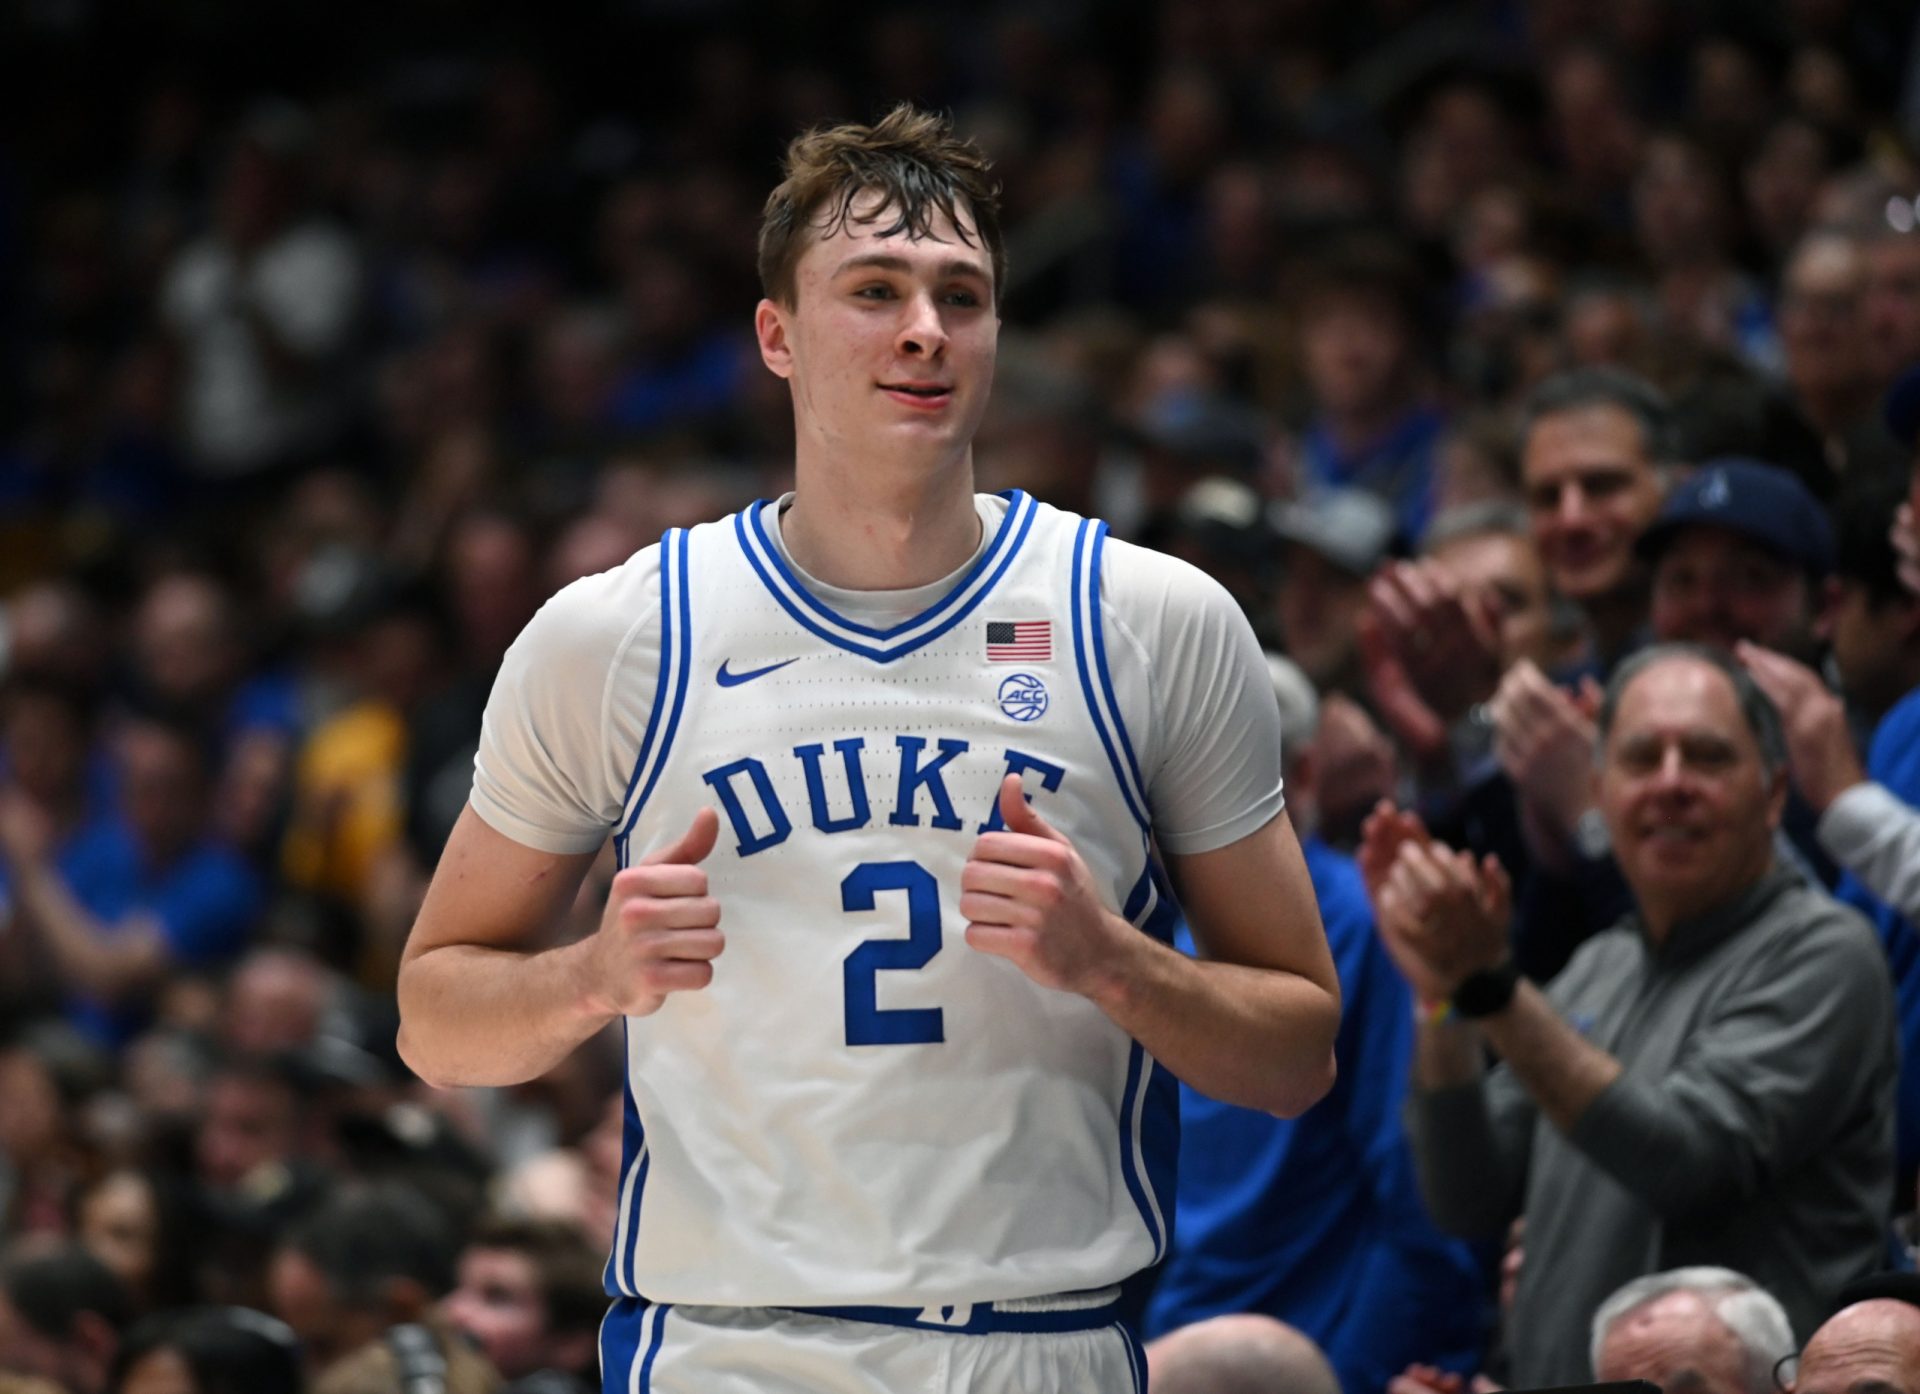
1238,1355
1317,1221
40,1151
1637,1136
1741,550
1890,309
1873,624
265,306
276,999
529,1297
1595,445
140,895
252,1136
1832,367
138,1224
357,1280
55,633
61,1318
209,1350
1331,544
1870,1344
347,802
1373,427
1707,1329
1683,226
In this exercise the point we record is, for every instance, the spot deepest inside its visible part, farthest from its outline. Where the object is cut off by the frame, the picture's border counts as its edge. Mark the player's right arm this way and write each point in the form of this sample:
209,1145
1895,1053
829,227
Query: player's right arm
484,997
478,1007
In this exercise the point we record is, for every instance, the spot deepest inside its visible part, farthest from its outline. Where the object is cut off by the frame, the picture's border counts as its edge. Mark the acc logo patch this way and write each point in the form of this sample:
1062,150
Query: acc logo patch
1023,697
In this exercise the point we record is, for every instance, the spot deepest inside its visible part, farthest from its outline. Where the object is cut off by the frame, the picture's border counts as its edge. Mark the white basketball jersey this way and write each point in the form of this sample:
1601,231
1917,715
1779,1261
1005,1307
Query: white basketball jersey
861,1109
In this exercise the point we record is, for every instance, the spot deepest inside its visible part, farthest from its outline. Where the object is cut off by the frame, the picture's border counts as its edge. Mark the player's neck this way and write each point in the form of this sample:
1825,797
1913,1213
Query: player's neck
874,534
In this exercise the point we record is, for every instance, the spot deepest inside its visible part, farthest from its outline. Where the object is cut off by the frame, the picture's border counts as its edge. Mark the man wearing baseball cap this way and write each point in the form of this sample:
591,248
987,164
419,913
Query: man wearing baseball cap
1740,550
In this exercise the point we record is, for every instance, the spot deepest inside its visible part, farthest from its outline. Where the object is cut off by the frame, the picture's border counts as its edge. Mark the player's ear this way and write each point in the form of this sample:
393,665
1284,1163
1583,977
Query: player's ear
770,328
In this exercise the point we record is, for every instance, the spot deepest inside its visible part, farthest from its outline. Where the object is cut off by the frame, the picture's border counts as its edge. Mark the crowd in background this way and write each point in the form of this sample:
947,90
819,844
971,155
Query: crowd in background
1472,346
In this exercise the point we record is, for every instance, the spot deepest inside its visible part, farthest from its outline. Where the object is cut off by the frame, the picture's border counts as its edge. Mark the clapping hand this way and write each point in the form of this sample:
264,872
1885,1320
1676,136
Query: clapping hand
1446,636
1544,740
1444,916
1819,745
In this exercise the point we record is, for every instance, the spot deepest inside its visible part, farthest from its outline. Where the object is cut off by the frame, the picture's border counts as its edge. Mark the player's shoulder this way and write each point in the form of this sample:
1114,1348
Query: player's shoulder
595,616
1137,581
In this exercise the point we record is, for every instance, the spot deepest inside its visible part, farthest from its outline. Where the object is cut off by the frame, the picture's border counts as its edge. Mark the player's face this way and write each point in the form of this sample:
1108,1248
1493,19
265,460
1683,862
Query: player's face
889,344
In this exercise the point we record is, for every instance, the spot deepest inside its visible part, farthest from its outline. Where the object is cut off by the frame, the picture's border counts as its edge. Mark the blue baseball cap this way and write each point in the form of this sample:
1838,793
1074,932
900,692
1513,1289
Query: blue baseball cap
1903,408
1760,502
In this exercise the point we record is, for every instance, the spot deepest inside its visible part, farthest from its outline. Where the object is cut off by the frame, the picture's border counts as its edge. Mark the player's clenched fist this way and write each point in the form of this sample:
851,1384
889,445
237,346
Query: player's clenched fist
1028,897
661,930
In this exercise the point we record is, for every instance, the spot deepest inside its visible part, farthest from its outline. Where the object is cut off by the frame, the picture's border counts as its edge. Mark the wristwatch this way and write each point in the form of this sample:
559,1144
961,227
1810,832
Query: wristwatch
1486,992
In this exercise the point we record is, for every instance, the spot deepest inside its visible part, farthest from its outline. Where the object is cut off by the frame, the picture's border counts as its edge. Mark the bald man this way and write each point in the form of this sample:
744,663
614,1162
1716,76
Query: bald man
1698,1330
1872,1347
1238,1355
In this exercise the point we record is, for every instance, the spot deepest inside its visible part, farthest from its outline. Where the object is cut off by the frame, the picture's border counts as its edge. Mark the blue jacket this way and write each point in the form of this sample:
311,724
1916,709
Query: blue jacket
1318,1220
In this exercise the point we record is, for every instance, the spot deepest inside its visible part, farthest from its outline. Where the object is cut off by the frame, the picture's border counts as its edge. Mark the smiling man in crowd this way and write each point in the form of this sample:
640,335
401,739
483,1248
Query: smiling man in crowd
1709,1082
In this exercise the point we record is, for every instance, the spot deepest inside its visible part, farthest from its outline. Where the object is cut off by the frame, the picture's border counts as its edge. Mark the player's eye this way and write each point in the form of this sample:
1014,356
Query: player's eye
965,299
876,291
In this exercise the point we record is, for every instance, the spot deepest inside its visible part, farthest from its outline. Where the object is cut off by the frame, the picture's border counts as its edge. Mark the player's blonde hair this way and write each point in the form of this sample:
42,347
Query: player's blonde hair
911,158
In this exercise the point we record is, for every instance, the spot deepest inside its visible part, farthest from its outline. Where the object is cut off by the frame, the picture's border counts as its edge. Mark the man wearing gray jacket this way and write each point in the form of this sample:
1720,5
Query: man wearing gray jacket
1709,1082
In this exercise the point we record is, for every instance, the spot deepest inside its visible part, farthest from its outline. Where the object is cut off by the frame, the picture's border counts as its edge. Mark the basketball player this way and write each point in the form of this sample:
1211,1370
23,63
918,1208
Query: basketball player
887,765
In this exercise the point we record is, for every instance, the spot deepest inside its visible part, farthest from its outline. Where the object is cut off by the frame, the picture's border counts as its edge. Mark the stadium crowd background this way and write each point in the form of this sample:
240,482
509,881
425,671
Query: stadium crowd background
337,337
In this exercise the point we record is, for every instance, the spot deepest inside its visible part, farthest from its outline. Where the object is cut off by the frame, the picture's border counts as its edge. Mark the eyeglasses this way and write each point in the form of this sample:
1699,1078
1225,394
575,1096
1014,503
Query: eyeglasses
1785,1371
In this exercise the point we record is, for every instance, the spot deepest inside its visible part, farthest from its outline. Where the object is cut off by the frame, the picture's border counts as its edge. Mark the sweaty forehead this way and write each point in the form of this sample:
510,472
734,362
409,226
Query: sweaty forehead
873,216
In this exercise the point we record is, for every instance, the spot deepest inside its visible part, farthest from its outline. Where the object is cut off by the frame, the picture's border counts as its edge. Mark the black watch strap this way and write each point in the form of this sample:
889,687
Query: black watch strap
1486,992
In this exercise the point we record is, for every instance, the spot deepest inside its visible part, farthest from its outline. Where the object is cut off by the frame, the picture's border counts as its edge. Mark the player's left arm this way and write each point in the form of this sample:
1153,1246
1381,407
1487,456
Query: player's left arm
1253,1020
1251,1023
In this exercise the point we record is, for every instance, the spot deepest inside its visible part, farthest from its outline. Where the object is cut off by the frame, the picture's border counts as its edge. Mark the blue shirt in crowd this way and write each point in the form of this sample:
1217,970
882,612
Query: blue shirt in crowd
1318,1220
1893,760
1398,467
205,904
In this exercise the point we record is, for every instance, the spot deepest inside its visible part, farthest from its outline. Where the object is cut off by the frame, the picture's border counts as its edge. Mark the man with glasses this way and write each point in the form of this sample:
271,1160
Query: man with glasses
1868,1347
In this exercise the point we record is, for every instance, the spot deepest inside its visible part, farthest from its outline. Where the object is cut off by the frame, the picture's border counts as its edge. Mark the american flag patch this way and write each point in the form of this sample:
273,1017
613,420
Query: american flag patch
1019,641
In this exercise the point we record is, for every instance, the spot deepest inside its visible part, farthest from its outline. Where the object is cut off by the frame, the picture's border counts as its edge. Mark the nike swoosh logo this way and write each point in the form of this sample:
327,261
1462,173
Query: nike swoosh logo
727,679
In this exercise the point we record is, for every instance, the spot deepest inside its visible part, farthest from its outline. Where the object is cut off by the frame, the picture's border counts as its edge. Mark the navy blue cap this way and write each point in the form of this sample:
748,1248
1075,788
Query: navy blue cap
1763,503
1903,408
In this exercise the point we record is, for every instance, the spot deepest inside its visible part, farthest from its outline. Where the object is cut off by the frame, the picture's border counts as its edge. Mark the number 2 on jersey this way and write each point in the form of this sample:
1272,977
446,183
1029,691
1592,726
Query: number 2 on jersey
867,1023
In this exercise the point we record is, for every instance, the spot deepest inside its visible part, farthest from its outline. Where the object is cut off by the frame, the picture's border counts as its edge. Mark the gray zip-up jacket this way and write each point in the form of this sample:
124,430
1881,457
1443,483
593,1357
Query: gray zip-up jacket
1753,1126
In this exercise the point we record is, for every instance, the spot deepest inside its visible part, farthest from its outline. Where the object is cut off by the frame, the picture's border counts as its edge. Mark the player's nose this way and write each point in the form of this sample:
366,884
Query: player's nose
922,334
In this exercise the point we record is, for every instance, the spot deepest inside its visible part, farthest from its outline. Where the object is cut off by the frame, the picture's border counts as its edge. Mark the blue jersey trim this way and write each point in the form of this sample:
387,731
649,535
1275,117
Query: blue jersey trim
659,693
1085,613
653,1347
752,515
1136,1358
1133,1096
1025,507
620,1344
674,555
1100,658
618,1278
985,1318
1149,1113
